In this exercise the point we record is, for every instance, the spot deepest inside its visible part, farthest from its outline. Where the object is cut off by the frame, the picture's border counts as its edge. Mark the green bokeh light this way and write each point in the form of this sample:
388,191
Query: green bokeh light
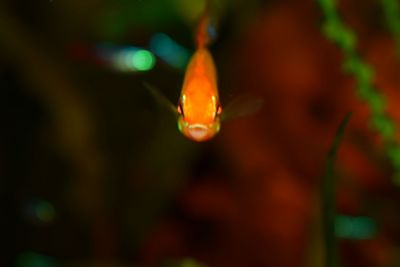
190,263
45,211
143,60
32,259
355,227
185,262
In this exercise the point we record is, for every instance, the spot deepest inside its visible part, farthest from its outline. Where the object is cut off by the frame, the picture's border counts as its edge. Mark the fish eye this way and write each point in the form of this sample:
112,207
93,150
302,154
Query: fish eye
180,110
219,110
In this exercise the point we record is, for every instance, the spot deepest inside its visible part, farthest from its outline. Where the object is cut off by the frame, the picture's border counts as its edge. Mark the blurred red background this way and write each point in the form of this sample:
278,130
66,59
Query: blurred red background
95,173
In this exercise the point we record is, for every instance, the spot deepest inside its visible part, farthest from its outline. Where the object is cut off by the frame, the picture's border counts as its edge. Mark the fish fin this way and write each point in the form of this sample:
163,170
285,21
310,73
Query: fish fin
206,31
161,98
241,106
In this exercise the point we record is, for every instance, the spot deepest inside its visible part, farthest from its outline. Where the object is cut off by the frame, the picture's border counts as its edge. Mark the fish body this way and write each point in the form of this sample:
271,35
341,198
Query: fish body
199,107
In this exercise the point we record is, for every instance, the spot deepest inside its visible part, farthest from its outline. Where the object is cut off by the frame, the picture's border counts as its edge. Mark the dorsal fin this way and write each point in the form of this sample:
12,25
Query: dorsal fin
202,35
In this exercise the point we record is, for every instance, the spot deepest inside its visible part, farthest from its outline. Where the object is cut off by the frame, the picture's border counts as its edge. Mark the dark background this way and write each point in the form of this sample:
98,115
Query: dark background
95,173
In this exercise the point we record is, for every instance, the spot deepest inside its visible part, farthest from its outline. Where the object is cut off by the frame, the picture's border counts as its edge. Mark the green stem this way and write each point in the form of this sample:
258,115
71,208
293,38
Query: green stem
328,198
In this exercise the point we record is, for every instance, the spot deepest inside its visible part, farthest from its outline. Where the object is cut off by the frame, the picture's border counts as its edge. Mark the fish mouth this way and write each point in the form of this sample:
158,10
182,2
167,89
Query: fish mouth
198,132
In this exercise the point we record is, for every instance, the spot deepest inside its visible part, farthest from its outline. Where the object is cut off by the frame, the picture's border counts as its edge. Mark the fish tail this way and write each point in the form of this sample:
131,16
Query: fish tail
202,35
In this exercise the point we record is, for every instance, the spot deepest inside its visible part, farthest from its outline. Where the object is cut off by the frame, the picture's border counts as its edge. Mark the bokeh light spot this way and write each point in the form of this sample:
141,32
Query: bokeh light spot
190,263
32,259
171,52
39,211
355,227
143,60
130,59
45,211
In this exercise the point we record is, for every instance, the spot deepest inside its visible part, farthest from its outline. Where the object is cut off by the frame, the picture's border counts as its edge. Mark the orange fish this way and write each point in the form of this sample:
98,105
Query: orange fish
199,109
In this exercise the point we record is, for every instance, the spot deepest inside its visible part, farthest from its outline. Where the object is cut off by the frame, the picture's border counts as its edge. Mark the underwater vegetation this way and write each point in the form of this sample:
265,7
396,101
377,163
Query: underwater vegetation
99,160
330,220
337,31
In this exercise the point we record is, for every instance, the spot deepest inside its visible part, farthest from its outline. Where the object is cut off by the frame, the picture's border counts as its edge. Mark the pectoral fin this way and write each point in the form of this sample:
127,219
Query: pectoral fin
161,99
241,106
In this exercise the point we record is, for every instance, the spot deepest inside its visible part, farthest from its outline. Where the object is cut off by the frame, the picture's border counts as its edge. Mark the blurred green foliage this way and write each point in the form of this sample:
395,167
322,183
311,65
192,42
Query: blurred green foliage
337,31
391,8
